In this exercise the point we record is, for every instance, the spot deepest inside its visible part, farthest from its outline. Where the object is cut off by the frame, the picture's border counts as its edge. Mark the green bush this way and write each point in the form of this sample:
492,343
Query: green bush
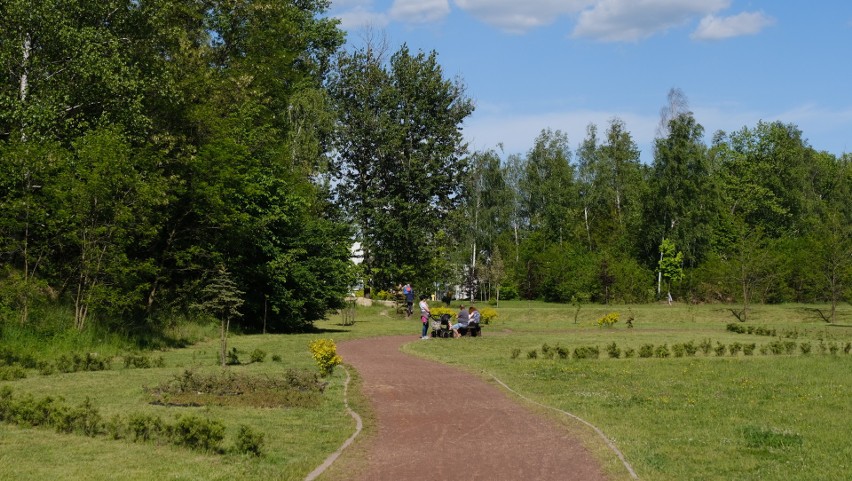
258,355
805,347
515,353
613,351
647,350
586,352
720,349
532,354
662,351
629,352
12,373
248,441
198,433
735,348
748,349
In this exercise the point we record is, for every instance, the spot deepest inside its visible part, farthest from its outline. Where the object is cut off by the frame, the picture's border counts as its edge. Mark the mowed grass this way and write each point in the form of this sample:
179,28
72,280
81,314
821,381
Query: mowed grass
707,417
760,417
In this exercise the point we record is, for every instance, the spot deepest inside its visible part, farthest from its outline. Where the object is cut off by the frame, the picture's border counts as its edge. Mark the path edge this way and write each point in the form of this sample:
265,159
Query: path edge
359,425
597,430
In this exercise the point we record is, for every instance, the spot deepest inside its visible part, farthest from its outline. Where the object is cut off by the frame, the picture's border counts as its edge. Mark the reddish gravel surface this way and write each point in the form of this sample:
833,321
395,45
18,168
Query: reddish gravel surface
436,422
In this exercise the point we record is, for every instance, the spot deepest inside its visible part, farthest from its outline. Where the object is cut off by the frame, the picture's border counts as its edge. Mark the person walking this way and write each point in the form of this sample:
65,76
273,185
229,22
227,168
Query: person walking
424,316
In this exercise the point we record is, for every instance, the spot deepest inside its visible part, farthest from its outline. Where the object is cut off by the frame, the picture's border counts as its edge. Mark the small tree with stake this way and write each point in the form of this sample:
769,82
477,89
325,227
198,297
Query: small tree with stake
222,299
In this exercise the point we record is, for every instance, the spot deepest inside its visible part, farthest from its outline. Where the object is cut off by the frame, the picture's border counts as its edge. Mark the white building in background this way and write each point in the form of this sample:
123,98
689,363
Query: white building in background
357,253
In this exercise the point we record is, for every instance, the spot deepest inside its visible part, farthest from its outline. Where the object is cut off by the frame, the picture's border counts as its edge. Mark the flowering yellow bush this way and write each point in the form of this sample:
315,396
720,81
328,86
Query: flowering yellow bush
325,354
608,320
438,311
487,314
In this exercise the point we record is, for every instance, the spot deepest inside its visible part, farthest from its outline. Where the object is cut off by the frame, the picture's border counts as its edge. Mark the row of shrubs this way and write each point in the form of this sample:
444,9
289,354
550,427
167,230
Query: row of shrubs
13,366
740,328
687,349
193,432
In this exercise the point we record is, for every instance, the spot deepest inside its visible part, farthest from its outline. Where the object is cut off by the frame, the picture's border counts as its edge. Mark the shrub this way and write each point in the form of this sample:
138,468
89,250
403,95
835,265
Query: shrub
276,358
258,355
662,351
706,346
833,348
748,349
324,352
613,351
690,348
233,357
12,373
198,433
738,328
562,352
532,354
647,350
805,347
735,348
487,315
629,352
678,350
720,349
847,348
145,427
136,361
248,441
515,353
586,352
608,320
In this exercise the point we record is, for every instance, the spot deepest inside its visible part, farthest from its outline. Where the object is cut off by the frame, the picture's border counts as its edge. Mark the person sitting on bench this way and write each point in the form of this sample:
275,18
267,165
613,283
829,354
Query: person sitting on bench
463,319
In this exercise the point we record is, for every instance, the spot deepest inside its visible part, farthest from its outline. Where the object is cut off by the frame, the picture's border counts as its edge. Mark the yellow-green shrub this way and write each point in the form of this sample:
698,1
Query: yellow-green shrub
608,320
325,355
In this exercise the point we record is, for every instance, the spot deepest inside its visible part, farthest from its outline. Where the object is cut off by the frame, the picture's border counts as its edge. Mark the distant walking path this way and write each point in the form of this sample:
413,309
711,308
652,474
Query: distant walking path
436,422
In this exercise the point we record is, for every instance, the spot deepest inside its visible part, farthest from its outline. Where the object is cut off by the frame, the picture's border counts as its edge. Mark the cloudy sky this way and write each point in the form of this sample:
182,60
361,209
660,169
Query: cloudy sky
562,64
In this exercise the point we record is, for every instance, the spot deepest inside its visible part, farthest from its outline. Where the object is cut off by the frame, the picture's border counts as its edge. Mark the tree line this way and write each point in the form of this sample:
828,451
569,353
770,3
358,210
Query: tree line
162,158
756,215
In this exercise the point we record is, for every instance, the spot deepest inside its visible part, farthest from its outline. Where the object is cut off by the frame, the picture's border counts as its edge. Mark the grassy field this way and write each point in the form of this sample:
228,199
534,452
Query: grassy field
747,417
701,417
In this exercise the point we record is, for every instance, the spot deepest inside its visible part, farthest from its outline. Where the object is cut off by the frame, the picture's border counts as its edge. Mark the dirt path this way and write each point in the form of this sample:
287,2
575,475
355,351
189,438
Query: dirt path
436,422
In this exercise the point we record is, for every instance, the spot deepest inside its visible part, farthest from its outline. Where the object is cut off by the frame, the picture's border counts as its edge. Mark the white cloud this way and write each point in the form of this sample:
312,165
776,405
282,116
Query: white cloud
419,11
631,20
719,28
361,17
518,16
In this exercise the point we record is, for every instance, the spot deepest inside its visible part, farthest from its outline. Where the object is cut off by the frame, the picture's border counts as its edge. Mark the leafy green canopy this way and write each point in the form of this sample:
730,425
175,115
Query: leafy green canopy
145,143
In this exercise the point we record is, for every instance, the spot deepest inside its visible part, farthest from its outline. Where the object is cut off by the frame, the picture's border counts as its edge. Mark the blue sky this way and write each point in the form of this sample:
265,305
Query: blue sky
562,64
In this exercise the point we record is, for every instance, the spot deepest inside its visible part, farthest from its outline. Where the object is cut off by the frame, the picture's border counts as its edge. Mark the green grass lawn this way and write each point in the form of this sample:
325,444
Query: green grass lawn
703,417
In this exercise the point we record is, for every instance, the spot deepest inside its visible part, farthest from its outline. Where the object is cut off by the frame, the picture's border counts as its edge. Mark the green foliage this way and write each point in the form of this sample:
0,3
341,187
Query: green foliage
198,433
586,352
248,441
258,355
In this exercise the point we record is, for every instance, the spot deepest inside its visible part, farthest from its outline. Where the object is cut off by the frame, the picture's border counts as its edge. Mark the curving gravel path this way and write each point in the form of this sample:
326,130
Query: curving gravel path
436,422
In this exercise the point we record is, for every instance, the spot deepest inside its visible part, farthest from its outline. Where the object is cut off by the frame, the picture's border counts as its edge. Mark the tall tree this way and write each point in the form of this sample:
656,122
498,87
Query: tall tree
399,162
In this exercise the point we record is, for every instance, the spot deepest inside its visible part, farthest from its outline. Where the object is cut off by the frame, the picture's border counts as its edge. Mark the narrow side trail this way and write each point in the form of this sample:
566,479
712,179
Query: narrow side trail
436,422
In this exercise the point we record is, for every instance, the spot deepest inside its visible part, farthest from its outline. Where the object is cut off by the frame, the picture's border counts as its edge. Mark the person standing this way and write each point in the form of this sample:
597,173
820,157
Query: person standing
424,316
408,292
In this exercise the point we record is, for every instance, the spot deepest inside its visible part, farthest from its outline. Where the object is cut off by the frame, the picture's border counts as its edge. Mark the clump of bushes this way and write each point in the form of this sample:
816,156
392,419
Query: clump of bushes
258,355
193,432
